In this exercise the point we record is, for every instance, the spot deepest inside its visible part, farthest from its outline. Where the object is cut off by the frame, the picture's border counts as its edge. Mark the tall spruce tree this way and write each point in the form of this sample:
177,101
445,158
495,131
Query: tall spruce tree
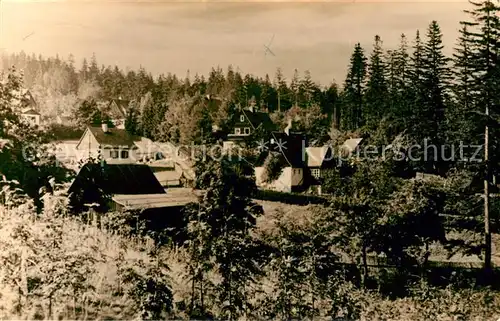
376,102
436,75
401,86
294,87
307,90
352,117
483,36
417,95
392,80
330,105
283,93
460,127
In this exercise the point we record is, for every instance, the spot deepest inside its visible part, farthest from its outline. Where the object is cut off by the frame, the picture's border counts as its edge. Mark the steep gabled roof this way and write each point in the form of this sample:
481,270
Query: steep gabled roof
28,99
118,108
130,179
114,136
290,146
257,118
350,145
316,155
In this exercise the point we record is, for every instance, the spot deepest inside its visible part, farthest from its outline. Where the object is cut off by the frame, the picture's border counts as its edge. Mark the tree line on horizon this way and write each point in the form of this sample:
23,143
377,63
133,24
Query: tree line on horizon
414,89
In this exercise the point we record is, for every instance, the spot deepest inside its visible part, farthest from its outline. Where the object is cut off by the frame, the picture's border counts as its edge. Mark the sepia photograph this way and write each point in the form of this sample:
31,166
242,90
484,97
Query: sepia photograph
330,160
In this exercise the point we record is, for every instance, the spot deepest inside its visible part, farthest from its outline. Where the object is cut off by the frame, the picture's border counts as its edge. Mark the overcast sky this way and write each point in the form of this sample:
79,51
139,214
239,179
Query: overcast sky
175,36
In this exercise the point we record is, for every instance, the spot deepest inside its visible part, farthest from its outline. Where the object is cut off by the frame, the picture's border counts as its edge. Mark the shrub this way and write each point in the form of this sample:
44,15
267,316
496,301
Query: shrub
54,266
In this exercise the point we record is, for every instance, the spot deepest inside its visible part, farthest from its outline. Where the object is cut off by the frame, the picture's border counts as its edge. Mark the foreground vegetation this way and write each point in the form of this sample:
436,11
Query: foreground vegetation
56,265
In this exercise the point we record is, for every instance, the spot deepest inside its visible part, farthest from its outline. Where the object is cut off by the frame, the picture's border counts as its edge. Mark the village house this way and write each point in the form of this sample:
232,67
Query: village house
246,122
170,165
31,116
291,147
117,110
305,166
319,161
28,109
128,187
113,145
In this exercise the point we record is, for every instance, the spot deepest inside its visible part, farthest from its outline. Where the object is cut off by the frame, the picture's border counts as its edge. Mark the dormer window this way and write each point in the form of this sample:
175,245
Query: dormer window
247,131
237,131
113,154
124,154
242,118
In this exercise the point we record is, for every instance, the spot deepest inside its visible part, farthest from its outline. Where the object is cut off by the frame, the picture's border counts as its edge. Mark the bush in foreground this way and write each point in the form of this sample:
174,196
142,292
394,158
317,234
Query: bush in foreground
54,266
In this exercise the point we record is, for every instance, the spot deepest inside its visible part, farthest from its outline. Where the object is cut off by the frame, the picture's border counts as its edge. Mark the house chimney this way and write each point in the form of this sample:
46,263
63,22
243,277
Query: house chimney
288,127
104,127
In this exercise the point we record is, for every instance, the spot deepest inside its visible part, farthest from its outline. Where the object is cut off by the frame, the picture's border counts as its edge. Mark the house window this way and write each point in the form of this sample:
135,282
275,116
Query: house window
113,154
315,172
242,118
237,131
247,131
124,154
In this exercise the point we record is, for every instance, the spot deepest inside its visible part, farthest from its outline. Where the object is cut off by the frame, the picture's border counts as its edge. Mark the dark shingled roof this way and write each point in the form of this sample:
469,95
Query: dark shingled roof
114,136
258,118
291,147
116,108
125,179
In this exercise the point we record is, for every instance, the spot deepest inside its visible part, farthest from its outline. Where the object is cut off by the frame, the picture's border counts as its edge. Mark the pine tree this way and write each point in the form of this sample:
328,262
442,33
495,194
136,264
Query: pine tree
463,90
330,104
93,68
282,90
240,90
399,86
376,103
294,87
483,37
131,122
308,91
392,79
268,97
84,70
352,117
417,91
402,59
436,75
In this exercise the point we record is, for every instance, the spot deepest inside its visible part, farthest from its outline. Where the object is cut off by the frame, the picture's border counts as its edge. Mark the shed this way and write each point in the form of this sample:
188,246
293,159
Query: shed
95,182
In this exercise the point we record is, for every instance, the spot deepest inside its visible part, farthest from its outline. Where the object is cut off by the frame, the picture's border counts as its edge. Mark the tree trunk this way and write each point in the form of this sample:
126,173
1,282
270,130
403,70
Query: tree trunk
365,266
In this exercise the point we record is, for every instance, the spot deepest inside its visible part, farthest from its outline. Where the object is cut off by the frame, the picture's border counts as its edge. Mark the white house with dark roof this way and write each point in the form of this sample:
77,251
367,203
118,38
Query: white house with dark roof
116,109
319,160
117,146
31,116
291,147
114,145
26,107
246,122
